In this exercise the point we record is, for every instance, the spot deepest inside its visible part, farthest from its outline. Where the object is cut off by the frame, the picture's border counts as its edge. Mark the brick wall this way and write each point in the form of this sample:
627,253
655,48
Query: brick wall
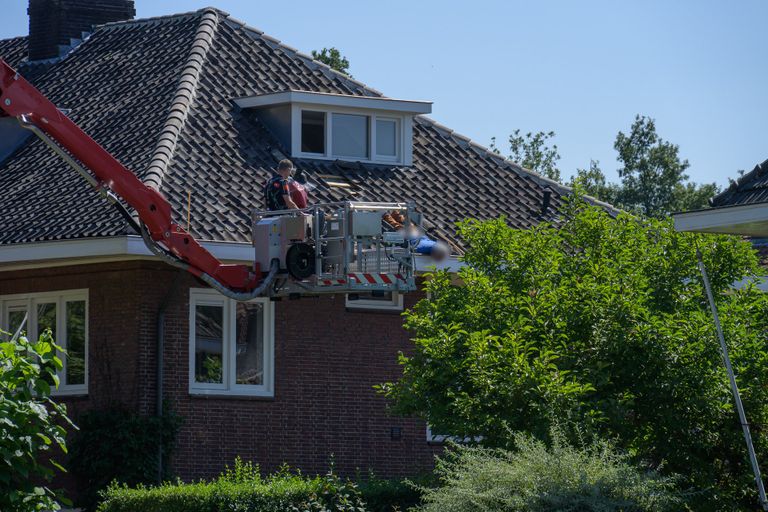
54,22
327,361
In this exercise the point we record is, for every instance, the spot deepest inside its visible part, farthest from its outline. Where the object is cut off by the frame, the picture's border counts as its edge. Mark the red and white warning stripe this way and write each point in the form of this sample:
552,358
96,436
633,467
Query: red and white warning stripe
367,278
332,282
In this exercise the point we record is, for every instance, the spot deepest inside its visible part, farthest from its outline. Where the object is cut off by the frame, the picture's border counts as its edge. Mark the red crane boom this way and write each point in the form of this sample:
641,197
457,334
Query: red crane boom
19,99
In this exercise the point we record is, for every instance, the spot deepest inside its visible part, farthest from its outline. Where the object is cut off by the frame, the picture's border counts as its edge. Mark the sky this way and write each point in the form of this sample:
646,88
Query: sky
583,68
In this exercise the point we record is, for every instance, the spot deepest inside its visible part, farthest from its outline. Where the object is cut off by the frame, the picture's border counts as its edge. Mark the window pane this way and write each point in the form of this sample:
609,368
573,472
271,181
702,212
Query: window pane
209,336
15,319
350,135
46,318
386,137
75,342
312,132
250,343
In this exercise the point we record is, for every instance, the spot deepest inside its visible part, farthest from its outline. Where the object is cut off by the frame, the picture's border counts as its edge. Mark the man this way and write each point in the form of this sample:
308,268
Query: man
277,191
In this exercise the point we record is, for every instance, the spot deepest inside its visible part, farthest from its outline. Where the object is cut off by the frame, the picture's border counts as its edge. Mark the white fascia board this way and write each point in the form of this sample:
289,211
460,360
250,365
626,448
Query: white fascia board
335,100
426,264
125,246
749,220
133,247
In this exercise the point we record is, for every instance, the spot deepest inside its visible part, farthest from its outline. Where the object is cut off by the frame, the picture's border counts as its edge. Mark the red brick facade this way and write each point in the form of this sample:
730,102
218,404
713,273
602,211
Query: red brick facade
326,362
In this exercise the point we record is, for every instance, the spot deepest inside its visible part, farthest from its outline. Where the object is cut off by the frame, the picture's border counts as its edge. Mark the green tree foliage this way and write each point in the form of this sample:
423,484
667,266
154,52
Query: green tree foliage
601,321
333,58
533,152
653,176
31,424
535,478
592,182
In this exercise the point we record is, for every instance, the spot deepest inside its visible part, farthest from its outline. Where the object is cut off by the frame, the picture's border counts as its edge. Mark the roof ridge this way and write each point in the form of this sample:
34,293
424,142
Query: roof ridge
182,99
506,162
154,19
302,55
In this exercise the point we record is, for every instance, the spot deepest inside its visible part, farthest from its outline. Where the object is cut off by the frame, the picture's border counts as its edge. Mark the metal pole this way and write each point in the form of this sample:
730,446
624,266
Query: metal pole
734,388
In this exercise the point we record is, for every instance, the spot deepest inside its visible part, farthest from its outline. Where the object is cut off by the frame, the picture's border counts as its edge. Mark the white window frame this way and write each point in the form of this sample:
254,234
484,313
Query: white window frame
442,438
395,304
404,137
398,139
229,386
30,301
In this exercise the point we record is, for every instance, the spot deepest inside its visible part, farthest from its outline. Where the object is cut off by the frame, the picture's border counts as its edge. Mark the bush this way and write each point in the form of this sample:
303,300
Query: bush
534,478
391,495
30,423
241,489
117,445
602,321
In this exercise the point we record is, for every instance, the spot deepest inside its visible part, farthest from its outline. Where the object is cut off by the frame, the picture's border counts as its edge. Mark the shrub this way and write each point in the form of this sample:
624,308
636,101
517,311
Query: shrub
241,489
392,495
602,321
30,423
534,478
117,445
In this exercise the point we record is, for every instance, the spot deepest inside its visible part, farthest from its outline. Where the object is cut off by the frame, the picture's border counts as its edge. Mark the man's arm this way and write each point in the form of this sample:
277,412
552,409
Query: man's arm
289,202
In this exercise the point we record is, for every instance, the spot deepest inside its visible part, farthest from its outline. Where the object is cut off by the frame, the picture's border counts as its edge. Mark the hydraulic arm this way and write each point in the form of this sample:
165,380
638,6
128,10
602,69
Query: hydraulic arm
19,99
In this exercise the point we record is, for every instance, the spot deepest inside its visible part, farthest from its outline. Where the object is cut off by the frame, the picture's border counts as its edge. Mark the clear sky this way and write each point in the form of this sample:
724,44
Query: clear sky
581,68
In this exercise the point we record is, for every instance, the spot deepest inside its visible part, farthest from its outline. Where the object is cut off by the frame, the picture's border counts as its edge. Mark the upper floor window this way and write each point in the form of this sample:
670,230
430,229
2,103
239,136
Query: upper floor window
231,345
66,315
338,126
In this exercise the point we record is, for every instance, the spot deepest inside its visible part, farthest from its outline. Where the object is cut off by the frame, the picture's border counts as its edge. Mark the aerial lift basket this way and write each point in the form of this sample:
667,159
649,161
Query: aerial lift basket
343,247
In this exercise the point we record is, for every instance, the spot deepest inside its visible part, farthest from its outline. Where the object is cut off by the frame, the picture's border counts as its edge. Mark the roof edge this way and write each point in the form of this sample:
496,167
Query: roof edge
182,99
509,164
736,184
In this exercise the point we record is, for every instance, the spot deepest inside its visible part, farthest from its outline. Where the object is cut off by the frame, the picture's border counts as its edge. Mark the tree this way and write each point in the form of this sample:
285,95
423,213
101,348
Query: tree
653,179
533,152
592,181
333,58
30,423
599,321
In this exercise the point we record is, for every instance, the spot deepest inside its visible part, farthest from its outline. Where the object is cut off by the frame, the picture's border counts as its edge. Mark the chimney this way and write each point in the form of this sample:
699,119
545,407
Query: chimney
54,24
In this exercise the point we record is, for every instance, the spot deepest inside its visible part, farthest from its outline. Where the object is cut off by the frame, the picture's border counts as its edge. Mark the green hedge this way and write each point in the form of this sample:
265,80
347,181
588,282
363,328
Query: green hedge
242,489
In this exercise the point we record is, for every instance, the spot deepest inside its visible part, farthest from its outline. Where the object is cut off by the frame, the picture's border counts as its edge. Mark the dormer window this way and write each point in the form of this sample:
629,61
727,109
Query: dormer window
340,127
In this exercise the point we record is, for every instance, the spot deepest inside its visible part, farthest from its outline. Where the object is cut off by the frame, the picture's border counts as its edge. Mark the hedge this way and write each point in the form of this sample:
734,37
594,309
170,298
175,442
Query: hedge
242,489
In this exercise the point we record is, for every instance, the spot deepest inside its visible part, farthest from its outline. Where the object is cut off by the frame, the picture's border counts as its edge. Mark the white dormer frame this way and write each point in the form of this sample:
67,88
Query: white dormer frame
401,111
404,137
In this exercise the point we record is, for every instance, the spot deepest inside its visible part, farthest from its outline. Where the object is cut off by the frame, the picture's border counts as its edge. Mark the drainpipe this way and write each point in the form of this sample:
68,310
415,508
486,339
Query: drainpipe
160,349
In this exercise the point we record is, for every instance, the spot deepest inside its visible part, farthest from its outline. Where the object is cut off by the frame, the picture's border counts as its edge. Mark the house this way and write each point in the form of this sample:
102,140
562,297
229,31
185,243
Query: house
741,209
202,106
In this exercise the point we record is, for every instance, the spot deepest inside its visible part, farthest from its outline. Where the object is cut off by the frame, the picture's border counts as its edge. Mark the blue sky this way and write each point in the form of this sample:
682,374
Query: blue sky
580,68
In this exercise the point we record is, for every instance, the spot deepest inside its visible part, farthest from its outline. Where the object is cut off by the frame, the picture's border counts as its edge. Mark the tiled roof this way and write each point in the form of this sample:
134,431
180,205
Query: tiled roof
749,189
158,94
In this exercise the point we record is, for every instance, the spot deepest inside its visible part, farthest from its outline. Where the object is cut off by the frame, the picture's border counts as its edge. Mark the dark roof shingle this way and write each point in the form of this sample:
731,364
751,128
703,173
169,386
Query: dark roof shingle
748,189
158,94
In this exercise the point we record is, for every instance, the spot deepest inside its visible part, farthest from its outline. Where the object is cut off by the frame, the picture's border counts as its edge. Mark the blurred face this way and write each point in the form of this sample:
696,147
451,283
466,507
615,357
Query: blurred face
285,172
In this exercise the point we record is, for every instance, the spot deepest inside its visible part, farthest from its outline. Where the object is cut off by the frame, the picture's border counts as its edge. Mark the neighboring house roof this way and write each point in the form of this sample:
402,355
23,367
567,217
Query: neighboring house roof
750,188
741,209
158,93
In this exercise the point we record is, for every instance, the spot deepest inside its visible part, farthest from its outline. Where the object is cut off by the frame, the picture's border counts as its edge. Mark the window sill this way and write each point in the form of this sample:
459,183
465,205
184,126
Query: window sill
69,394
230,395
374,309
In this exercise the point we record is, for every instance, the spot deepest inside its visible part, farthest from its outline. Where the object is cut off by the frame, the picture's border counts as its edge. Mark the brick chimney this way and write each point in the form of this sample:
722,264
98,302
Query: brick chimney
53,24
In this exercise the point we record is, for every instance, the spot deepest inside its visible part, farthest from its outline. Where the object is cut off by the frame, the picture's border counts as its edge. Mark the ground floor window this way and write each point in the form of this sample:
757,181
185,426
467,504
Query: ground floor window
65,313
385,301
231,345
